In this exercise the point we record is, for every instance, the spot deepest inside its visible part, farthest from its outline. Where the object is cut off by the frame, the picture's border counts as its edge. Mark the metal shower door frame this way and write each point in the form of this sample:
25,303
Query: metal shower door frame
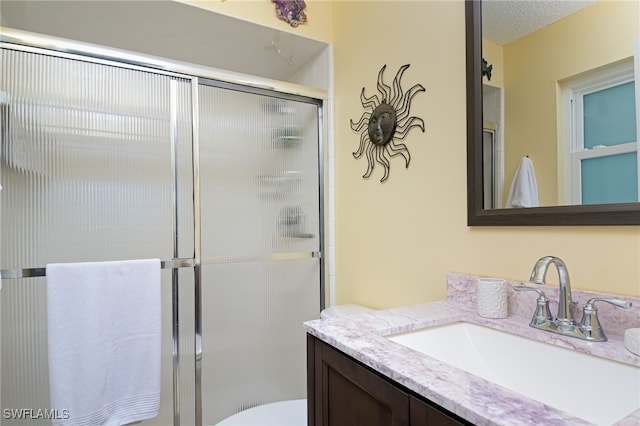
66,49
200,261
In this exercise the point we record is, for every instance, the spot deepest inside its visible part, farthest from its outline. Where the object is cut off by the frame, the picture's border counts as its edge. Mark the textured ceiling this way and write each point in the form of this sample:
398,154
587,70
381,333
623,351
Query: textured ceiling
504,21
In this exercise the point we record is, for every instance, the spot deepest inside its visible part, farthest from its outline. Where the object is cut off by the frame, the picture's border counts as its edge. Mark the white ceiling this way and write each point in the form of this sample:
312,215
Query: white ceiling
168,29
504,21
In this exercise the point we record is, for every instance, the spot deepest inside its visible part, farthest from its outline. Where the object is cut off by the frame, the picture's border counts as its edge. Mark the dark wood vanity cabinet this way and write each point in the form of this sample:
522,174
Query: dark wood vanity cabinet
344,392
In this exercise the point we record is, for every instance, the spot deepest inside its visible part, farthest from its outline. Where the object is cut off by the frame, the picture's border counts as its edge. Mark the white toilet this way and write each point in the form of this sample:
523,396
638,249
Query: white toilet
286,413
281,413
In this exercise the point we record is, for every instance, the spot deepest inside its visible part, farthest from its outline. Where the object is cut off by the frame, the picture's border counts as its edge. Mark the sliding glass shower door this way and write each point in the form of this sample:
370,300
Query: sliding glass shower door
105,160
95,165
260,213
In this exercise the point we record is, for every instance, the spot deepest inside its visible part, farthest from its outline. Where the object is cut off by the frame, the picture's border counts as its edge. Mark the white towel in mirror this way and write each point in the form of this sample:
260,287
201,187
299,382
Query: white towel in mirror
524,189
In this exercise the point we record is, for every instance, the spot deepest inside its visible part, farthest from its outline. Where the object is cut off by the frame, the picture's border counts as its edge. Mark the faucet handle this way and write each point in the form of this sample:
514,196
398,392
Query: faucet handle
590,324
542,313
619,303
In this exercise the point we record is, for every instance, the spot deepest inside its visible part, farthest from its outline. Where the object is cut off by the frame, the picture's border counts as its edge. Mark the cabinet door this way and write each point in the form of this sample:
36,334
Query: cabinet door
348,394
423,414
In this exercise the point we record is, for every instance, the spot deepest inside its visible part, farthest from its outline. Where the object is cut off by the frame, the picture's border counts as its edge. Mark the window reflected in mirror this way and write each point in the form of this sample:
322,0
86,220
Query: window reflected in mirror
565,96
600,143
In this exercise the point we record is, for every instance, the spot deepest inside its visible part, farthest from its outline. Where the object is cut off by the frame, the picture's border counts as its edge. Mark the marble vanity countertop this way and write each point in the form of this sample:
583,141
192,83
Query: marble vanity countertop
477,400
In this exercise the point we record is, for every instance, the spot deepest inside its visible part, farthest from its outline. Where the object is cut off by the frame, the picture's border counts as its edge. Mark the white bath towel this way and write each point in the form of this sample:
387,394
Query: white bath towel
524,189
104,341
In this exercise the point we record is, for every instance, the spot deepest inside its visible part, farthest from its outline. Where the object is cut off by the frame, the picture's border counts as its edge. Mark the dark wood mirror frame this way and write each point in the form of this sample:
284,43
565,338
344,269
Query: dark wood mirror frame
600,214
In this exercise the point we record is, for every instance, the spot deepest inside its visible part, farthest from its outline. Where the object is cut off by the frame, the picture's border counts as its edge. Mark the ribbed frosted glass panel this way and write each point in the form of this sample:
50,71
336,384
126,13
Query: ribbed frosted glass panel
254,349
259,174
86,164
186,348
260,195
86,167
182,101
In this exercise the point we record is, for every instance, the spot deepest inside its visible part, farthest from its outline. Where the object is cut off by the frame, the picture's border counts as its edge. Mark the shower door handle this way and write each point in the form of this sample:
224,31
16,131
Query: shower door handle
302,235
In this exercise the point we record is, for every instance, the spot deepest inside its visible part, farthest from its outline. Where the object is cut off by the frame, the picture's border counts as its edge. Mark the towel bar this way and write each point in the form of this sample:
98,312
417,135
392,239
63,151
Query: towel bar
42,272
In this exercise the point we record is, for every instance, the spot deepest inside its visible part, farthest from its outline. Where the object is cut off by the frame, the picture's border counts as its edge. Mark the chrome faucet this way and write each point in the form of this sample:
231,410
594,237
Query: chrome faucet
589,328
565,303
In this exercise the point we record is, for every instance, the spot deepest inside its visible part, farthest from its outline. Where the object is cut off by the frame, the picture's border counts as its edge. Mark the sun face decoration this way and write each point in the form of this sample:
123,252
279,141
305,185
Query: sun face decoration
386,119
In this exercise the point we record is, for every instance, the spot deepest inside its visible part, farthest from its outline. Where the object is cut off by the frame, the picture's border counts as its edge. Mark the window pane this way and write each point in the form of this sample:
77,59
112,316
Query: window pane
611,179
610,116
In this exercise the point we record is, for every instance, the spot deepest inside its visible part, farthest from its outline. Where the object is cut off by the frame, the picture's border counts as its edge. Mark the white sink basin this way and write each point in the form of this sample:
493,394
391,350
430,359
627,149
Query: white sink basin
591,388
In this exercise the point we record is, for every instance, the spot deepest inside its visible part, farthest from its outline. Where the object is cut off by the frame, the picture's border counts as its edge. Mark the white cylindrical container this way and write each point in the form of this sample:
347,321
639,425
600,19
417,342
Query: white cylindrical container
492,298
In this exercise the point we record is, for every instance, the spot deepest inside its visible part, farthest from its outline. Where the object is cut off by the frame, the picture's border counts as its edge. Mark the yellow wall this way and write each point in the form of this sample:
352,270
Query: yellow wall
389,237
396,241
596,36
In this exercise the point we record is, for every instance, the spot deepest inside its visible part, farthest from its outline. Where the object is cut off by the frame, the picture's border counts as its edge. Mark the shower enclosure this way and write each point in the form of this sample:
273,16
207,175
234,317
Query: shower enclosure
103,158
493,146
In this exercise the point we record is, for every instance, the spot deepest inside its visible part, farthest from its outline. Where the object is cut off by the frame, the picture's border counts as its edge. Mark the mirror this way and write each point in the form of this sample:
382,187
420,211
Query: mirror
549,162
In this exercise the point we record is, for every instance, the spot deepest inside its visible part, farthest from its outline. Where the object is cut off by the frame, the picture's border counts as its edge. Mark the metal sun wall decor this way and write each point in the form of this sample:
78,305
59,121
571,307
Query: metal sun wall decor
291,11
385,119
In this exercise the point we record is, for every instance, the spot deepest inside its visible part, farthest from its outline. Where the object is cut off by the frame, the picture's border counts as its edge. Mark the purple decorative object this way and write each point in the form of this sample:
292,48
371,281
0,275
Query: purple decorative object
291,11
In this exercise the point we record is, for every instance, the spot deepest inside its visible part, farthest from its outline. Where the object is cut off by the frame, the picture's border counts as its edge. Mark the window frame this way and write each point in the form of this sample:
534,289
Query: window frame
572,146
